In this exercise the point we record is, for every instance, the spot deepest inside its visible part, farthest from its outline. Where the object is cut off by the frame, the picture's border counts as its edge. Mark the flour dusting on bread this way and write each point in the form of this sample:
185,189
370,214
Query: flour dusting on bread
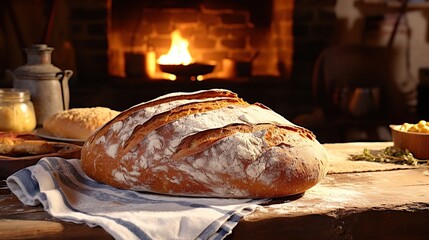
207,143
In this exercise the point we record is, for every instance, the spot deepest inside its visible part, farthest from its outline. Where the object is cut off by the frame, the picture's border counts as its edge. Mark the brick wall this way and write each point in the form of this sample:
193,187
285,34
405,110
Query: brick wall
214,31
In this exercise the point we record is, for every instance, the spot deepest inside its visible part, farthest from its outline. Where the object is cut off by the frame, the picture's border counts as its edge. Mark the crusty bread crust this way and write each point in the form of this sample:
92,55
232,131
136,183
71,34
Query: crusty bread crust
78,123
208,143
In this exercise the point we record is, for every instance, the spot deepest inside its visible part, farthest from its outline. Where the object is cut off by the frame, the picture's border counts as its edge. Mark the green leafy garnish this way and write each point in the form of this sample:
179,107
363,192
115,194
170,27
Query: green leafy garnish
388,155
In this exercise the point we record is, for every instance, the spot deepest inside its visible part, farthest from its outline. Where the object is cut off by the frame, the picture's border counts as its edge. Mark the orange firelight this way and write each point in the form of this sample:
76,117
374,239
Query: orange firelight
178,53
179,61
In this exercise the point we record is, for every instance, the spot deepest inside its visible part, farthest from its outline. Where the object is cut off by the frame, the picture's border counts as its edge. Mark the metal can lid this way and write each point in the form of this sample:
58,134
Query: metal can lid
38,64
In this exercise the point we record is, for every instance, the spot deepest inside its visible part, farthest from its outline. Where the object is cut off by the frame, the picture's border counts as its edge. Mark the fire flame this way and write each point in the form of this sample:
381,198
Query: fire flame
178,53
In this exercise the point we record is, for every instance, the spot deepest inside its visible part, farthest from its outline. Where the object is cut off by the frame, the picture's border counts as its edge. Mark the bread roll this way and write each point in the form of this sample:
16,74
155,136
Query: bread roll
208,143
78,123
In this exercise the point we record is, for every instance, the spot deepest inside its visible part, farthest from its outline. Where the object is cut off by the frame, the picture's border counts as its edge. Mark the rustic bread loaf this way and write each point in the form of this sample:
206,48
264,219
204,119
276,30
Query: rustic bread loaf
78,123
208,143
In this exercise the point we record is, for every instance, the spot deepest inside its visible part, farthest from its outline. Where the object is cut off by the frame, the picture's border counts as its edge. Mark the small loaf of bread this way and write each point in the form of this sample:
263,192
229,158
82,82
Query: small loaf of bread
208,143
78,123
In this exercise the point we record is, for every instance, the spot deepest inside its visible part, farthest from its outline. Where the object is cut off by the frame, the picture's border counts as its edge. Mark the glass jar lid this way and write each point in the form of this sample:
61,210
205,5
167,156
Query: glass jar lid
14,95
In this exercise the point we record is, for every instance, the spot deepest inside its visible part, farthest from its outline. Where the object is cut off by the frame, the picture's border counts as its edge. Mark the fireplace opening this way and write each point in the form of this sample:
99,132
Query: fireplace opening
226,40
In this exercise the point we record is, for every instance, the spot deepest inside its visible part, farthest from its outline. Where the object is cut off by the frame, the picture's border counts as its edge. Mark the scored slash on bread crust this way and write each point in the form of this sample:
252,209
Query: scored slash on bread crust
175,97
200,141
208,143
159,120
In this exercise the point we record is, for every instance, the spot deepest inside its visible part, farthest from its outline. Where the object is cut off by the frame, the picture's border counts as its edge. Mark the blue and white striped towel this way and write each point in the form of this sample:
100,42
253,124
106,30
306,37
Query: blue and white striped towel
68,194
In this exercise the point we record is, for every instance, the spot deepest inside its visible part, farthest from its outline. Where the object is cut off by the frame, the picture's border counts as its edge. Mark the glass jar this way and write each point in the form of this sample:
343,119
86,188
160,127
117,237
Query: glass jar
16,110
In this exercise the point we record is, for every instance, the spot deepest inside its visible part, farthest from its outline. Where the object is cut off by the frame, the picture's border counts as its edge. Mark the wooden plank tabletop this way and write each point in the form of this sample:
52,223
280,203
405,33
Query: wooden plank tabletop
373,205
377,204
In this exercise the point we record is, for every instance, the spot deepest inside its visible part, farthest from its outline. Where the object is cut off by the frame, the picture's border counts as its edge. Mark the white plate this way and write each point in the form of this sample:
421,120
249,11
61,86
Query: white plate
43,133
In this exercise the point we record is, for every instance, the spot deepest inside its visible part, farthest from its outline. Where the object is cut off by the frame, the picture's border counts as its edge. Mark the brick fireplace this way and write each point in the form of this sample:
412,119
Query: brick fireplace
288,34
238,30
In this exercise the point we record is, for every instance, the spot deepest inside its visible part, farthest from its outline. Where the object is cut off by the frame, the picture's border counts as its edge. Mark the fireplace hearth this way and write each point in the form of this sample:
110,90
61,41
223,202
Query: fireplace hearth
215,30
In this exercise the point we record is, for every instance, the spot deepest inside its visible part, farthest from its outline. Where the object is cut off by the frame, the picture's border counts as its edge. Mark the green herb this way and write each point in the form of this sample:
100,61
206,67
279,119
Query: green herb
388,155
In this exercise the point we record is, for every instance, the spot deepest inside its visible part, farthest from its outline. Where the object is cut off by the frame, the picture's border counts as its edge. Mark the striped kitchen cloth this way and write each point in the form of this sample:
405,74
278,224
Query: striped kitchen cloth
67,193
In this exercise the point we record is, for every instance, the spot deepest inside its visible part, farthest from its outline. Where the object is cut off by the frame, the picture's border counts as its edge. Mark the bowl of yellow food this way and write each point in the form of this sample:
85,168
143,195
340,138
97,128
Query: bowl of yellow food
414,137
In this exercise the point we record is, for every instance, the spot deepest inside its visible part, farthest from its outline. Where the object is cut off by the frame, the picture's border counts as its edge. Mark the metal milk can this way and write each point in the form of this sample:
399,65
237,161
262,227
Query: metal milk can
47,84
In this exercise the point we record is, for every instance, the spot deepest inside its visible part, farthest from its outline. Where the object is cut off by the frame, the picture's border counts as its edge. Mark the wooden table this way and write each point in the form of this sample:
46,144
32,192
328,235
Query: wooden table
370,204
